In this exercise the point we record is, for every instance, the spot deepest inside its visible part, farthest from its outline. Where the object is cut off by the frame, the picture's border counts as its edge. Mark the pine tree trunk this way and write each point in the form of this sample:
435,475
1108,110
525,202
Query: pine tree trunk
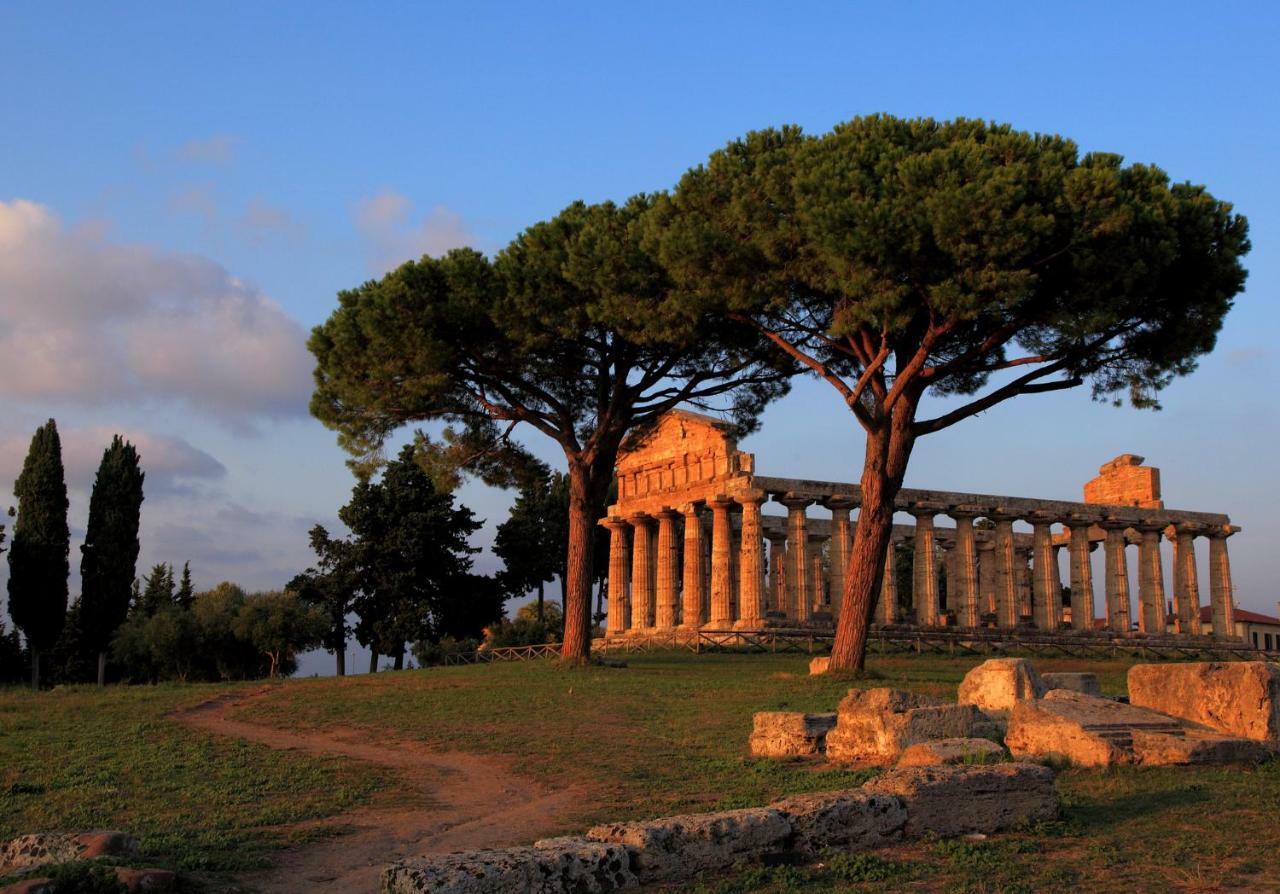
885,463
583,513
373,661
540,614
35,668
102,668
341,655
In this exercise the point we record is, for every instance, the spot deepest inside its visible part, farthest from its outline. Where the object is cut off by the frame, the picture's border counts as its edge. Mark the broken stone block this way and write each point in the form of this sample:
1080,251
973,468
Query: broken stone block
1076,682
949,801
789,733
1239,698
819,665
847,819
677,847
951,751
1196,747
566,865
877,725
1000,683
27,851
1086,730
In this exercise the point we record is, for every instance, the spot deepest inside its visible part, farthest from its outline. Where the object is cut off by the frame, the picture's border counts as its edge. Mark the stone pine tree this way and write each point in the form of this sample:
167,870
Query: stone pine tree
38,565
572,331
109,555
966,261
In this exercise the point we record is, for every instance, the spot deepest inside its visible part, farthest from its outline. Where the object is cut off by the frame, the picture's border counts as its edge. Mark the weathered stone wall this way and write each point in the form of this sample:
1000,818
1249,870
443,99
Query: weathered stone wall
1125,481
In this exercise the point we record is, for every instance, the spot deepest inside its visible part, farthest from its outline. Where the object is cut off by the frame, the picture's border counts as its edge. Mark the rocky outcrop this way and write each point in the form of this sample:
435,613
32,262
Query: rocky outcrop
949,801
789,733
1239,698
941,752
1077,682
1000,683
876,725
847,820
560,865
679,846
28,851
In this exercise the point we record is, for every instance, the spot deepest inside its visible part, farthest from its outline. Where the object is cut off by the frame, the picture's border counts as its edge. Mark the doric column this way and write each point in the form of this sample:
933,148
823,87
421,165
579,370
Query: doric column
1224,622
693,594
798,594
1081,573
751,564
924,568
619,574
777,572
887,611
841,547
641,572
667,574
1043,598
1151,579
962,588
817,580
986,577
721,557
1007,609
1187,579
1117,574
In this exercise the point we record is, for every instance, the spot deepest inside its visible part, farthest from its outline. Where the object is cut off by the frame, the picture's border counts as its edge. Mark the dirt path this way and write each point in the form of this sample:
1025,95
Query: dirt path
463,800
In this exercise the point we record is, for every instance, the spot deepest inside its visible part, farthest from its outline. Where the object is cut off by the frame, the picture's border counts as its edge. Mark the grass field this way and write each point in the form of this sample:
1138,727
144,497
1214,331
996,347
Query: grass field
666,734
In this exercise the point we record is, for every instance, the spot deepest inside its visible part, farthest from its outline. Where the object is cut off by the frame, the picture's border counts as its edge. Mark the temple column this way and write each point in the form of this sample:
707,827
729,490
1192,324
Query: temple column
1224,624
987,578
797,557
721,572
924,569
1081,574
964,597
667,573
1006,573
751,565
777,572
817,580
1187,579
1151,580
887,611
1043,597
1117,575
695,581
841,548
619,575
641,572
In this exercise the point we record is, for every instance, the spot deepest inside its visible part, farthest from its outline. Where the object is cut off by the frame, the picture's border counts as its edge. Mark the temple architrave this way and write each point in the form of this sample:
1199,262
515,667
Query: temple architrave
693,549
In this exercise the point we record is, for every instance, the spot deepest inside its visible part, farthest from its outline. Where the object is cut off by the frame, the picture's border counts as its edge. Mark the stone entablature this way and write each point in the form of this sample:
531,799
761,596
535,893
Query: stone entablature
688,539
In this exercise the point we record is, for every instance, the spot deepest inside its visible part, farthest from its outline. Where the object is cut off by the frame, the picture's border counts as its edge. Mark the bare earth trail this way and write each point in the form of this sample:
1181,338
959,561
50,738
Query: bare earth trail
459,801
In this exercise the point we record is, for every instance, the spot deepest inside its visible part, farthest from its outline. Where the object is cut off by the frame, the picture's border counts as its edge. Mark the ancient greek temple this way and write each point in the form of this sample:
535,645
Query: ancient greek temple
688,550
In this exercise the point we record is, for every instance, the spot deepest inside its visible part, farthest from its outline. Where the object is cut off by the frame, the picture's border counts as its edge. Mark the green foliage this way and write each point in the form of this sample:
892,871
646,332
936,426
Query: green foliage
109,555
186,593
41,540
430,654
157,590
279,624
534,540
83,877
864,867
331,587
526,629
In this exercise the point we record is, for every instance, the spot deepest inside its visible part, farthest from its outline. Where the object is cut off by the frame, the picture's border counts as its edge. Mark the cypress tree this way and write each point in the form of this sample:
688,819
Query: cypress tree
186,592
157,590
41,541
109,556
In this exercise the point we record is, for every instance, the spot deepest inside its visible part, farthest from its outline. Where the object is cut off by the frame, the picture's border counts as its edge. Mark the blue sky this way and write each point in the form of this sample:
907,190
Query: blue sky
235,165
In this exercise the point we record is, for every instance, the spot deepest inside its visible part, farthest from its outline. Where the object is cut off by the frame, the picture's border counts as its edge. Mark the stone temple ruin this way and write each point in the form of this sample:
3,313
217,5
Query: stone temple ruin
688,534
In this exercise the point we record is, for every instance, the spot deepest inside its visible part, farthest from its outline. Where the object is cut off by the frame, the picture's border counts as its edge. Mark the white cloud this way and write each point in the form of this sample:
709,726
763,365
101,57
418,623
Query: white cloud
218,149
385,222
84,319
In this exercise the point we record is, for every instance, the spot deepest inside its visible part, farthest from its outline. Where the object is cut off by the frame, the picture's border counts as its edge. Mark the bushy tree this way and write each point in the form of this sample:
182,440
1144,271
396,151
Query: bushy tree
331,586
533,542
279,625
896,259
109,555
571,331
41,541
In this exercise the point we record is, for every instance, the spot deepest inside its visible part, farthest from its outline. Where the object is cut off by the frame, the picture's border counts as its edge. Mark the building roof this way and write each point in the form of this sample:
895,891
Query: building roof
1241,614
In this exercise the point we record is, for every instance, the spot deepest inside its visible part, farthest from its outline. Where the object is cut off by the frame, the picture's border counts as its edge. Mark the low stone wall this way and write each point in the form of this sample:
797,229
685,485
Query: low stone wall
906,803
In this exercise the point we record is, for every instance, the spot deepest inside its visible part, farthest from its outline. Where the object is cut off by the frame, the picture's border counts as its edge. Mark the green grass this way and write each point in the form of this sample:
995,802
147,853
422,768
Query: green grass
666,734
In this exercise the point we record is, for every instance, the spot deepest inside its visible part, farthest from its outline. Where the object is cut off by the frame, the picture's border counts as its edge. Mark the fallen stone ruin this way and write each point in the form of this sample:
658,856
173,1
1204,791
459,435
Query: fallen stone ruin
909,803
27,855
1195,713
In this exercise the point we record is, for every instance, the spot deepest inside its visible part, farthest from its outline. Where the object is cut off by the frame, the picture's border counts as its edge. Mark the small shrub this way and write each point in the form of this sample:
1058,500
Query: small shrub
860,867
84,877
